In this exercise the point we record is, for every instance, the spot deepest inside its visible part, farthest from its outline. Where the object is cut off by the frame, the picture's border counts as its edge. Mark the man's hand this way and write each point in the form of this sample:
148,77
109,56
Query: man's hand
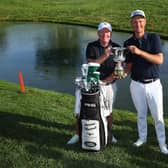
110,78
134,49
108,51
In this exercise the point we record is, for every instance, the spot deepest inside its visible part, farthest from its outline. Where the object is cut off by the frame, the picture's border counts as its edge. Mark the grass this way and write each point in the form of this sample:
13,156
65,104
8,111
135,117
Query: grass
35,126
88,13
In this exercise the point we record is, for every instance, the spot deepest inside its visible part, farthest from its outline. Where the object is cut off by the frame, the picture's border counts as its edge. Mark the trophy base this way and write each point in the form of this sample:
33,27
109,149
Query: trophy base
119,73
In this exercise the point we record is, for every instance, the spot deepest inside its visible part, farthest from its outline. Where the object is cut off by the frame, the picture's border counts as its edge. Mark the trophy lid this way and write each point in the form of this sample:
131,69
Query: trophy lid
118,54
119,48
94,64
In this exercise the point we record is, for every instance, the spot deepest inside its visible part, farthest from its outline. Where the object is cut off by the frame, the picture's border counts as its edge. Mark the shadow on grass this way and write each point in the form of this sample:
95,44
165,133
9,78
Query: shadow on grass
149,154
48,139
30,129
72,159
90,163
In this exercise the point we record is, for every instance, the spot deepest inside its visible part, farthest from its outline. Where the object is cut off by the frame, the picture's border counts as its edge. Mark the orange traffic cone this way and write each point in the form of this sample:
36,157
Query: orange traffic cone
21,81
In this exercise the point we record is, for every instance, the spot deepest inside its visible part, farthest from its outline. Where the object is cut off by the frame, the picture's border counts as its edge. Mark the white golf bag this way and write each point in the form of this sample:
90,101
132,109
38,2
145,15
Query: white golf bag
93,132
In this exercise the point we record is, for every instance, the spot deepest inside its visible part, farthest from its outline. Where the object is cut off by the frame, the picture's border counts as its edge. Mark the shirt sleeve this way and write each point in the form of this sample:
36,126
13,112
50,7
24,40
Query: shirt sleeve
156,44
90,52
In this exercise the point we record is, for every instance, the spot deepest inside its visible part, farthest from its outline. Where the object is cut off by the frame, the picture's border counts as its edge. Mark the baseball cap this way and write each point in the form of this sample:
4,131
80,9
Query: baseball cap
137,13
103,25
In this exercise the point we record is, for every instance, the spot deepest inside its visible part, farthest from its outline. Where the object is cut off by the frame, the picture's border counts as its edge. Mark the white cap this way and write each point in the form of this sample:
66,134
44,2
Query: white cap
104,25
137,13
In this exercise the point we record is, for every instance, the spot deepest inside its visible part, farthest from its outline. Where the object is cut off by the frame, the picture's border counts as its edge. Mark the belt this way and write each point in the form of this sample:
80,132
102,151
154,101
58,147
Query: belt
113,81
145,81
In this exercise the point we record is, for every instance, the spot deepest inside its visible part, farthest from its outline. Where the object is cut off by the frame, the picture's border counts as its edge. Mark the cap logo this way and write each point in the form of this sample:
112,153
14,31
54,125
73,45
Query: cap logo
138,13
104,25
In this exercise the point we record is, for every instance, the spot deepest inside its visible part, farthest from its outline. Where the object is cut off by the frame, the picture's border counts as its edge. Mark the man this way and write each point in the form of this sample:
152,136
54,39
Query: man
146,89
99,51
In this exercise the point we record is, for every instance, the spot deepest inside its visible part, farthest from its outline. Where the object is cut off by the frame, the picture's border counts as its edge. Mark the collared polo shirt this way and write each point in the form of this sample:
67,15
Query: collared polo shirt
143,69
95,50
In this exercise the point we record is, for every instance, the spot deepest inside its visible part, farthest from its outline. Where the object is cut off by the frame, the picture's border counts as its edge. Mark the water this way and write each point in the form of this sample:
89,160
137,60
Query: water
50,57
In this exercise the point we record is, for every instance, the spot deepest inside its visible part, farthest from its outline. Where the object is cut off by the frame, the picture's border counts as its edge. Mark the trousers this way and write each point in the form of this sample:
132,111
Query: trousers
149,96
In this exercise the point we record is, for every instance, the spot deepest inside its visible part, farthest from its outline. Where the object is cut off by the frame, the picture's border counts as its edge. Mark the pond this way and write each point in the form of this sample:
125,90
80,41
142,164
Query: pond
50,57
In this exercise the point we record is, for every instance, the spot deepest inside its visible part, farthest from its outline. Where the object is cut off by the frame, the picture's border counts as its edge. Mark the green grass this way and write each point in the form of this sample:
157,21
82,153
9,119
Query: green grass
35,126
85,12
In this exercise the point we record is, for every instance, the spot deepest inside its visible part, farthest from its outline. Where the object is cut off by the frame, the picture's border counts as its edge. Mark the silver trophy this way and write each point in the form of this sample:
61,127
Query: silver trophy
119,58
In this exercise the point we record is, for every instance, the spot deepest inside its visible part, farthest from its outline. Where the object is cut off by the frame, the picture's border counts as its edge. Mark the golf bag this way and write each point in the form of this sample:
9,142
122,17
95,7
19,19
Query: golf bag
93,128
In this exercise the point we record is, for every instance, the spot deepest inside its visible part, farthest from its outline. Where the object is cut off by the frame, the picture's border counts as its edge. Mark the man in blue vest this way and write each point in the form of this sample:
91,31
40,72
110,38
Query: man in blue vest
146,89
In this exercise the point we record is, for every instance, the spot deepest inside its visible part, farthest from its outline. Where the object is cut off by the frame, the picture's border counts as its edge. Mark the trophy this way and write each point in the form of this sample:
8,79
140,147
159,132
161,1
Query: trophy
119,58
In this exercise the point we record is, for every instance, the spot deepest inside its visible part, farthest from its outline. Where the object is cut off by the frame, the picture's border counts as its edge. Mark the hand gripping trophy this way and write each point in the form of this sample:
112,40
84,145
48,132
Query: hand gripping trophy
119,58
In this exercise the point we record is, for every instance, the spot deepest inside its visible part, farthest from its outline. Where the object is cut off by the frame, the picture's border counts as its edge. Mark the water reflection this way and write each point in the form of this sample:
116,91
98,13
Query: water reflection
50,56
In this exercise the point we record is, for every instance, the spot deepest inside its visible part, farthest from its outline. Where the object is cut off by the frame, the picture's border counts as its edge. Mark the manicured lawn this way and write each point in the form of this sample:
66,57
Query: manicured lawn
87,12
35,126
